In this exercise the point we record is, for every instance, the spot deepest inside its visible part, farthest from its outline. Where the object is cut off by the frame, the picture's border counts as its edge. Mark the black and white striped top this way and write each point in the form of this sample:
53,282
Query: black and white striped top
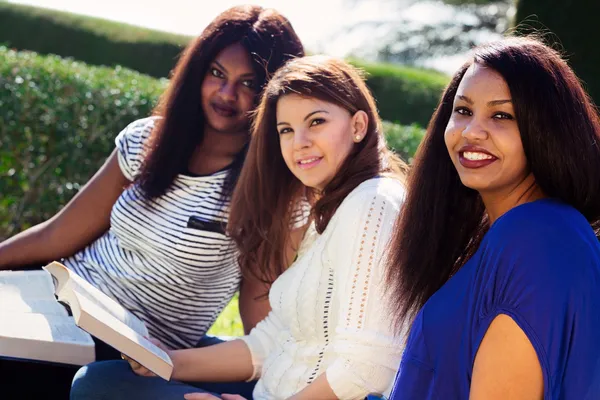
168,260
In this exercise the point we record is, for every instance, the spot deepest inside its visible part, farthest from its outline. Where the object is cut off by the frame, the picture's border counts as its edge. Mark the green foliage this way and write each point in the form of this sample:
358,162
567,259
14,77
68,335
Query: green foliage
92,40
58,120
403,139
573,29
404,95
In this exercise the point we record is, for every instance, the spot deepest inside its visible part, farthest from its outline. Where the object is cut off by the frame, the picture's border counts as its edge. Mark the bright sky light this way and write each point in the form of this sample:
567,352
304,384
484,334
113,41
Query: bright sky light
318,22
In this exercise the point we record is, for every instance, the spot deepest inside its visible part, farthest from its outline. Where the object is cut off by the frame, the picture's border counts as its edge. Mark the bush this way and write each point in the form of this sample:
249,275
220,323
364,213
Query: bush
404,94
92,40
58,120
574,31
403,139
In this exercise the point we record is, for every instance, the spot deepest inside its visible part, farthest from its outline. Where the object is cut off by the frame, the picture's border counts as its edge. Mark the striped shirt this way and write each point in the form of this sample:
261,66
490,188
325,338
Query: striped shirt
166,260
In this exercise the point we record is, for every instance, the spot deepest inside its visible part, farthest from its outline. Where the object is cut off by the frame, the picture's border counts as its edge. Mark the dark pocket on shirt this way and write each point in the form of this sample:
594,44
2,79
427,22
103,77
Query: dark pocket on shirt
415,381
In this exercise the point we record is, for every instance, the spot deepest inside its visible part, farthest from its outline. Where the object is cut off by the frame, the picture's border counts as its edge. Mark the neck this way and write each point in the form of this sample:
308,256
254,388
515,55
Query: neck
217,150
498,203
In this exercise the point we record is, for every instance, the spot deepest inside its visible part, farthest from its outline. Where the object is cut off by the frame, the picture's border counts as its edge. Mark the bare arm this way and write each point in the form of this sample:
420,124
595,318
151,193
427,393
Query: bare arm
224,362
81,221
506,365
254,302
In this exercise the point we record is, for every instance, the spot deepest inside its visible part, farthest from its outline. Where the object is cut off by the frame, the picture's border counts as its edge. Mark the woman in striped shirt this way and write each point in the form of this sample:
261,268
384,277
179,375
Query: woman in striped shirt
148,228
317,135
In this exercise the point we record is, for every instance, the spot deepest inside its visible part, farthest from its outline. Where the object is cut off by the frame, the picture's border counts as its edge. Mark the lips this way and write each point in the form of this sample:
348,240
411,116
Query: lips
308,162
475,157
224,110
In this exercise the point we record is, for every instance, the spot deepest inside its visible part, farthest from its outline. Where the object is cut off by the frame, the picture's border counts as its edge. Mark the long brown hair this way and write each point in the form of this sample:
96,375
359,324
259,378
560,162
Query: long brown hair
443,222
269,39
262,203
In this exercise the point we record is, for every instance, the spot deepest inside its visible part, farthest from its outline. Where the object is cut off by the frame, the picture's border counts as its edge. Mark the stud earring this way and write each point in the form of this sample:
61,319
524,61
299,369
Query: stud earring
357,137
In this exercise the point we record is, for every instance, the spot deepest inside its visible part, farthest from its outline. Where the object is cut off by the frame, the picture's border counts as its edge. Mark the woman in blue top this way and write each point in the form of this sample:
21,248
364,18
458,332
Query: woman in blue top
496,255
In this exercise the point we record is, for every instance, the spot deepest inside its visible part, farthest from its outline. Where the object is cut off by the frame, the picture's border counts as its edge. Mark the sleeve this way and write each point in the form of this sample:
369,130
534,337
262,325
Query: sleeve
368,351
542,275
130,146
260,341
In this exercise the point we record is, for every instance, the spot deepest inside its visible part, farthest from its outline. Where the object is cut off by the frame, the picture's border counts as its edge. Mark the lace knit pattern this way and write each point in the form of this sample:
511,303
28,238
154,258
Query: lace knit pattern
328,312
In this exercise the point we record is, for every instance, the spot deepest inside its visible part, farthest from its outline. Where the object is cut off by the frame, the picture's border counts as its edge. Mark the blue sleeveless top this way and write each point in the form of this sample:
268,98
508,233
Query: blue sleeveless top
539,264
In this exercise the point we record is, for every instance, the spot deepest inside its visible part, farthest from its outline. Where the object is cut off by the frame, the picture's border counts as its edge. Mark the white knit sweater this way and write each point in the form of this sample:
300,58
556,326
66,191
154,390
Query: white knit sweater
328,310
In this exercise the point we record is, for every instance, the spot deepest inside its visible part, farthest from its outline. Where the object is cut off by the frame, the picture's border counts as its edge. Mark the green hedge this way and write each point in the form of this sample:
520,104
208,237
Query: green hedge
92,40
405,95
58,120
573,29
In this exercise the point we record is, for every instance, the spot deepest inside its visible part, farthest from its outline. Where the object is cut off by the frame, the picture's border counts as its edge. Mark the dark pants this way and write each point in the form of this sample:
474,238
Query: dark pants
114,380
28,379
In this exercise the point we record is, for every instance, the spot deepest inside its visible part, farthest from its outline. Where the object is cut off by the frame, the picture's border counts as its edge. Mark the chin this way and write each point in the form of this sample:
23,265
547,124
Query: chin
475,184
226,128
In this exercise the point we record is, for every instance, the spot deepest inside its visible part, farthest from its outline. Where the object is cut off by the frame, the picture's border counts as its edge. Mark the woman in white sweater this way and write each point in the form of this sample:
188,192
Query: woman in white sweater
317,140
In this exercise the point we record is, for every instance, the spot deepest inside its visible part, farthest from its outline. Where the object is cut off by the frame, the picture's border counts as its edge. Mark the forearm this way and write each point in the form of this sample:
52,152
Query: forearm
225,362
24,248
318,389
51,240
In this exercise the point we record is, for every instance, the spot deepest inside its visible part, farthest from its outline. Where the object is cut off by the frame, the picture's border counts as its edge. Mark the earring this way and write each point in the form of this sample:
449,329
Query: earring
357,138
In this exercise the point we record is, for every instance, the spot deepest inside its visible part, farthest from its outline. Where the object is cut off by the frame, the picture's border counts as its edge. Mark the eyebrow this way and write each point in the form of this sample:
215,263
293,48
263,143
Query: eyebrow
490,103
248,74
307,116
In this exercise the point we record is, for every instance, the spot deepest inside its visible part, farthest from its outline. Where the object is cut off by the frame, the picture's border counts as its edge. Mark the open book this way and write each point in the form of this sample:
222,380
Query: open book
34,325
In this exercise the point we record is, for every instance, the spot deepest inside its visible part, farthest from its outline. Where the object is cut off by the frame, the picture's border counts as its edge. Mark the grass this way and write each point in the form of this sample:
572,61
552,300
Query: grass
229,322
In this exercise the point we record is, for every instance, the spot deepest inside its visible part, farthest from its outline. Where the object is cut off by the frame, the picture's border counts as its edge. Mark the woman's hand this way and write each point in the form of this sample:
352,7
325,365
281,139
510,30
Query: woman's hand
208,396
138,368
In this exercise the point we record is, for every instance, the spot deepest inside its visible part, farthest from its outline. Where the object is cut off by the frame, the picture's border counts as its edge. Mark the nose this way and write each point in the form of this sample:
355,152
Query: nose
228,91
301,139
474,130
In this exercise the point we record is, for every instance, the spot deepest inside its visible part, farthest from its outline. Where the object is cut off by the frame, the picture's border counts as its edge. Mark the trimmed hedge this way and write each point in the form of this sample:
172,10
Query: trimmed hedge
574,30
58,120
92,40
405,95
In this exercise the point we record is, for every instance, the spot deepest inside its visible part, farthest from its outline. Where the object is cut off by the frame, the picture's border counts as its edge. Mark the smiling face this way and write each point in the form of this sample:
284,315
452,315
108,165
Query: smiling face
228,90
483,137
316,137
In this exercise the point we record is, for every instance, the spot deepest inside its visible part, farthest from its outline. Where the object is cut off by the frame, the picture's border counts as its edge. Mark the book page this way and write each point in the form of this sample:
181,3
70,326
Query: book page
117,334
28,292
107,304
94,295
43,328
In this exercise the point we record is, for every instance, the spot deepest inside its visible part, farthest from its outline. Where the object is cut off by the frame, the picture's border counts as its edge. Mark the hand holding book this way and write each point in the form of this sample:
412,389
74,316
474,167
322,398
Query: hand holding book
138,368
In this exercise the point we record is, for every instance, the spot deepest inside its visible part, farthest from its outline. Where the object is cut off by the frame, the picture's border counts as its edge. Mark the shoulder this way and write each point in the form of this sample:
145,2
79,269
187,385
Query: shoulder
544,223
384,190
130,144
140,129
377,199
544,244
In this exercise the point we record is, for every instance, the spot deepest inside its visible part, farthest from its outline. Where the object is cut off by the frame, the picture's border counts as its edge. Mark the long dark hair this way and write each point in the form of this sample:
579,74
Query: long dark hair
269,39
443,222
261,226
